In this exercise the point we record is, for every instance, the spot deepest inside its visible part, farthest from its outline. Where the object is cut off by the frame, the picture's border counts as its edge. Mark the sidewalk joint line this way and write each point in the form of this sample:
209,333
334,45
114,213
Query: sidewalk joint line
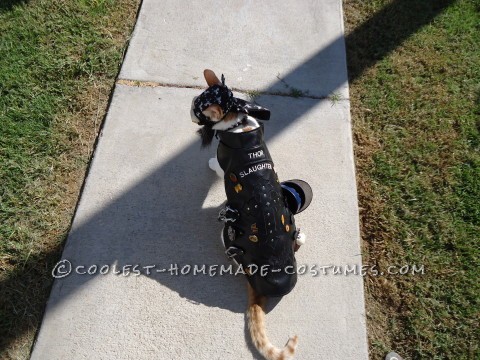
250,93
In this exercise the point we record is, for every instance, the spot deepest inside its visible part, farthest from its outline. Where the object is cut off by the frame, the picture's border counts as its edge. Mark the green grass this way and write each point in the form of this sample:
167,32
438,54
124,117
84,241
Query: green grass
58,62
416,120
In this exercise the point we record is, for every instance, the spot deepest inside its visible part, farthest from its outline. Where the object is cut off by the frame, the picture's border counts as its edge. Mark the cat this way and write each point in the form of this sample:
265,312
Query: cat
257,202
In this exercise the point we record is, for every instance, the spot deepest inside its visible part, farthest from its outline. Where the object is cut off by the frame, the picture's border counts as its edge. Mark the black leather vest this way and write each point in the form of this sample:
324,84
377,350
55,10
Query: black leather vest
264,228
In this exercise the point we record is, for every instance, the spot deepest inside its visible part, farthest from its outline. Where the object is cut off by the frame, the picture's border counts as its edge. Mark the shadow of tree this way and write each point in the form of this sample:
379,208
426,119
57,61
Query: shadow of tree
389,28
6,5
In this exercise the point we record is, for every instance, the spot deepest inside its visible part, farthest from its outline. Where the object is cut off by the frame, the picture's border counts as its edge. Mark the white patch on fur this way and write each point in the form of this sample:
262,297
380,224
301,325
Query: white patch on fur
301,239
224,125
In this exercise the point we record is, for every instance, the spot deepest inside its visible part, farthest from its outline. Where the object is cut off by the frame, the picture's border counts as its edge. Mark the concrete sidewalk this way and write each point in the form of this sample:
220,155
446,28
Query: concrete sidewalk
150,199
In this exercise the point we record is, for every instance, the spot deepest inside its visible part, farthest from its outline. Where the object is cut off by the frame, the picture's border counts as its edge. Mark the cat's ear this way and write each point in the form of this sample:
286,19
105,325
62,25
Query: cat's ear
211,78
214,112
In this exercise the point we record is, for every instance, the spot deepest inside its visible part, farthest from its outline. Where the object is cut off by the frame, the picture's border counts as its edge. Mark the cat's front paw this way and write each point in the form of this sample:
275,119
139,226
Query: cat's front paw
215,166
299,241
212,164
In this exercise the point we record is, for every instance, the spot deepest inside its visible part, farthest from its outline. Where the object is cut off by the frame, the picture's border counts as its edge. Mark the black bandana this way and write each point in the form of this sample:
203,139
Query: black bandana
222,96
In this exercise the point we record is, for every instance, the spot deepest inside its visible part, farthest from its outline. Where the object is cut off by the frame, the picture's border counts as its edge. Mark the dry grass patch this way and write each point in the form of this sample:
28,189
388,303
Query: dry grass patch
415,72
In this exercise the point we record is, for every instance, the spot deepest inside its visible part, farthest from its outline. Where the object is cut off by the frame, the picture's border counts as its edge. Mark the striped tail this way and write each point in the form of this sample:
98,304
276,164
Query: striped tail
256,325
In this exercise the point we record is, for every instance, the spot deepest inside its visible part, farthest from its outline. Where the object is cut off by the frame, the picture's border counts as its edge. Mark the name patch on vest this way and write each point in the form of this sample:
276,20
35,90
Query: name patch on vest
256,154
255,168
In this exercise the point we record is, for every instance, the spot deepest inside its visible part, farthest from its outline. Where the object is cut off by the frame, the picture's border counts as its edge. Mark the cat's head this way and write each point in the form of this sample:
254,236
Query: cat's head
217,104
212,106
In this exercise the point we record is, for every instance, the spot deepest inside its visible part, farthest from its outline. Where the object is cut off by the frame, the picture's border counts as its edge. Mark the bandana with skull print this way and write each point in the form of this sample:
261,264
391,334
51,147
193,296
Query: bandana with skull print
221,95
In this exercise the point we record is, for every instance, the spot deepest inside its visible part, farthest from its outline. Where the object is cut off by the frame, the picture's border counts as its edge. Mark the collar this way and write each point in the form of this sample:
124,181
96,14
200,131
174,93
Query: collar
242,140
231,124
242,121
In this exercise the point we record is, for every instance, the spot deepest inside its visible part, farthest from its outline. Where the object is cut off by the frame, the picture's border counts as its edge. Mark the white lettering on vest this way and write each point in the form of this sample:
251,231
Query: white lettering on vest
255,168
255,155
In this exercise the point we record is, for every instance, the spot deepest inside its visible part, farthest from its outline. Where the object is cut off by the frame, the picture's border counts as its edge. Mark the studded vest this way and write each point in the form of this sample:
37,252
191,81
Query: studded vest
261,231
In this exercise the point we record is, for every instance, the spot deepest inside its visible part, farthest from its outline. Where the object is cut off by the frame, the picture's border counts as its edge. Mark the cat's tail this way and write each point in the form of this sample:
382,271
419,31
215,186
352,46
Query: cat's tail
256,325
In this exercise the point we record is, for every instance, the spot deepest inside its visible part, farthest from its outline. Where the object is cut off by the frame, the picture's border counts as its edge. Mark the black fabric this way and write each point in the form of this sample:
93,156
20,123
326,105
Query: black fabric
265,229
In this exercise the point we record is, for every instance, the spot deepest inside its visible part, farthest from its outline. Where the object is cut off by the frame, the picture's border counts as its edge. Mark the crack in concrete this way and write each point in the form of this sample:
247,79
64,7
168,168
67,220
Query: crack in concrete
251,93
